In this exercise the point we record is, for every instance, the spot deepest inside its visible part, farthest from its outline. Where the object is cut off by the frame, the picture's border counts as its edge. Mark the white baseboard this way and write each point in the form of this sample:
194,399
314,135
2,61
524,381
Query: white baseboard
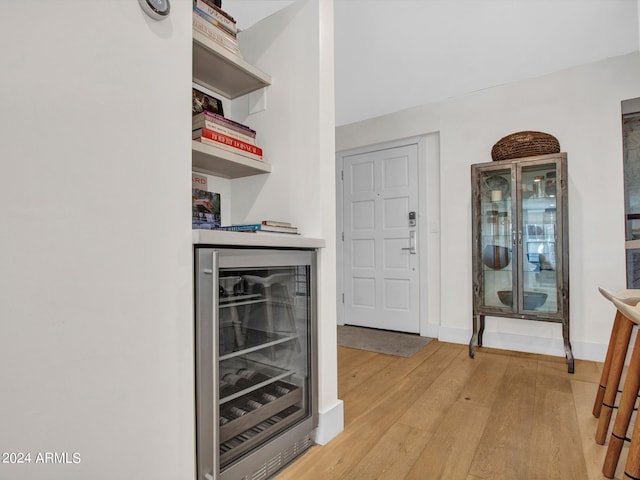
431,331
525,343
330,423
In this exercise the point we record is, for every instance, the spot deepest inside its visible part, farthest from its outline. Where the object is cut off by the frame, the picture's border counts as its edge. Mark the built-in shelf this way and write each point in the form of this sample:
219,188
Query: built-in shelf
222,71
223,163
229,75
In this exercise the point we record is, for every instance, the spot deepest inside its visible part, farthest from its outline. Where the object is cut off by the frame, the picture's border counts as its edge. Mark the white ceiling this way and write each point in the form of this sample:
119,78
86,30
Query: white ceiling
395,54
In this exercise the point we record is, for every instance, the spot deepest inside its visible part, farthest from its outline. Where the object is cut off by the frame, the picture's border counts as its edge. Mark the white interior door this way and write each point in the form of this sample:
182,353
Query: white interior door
380,249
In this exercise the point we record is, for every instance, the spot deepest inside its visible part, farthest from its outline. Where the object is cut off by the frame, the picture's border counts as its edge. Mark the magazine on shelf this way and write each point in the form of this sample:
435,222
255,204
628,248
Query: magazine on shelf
205,207
198,181
203,102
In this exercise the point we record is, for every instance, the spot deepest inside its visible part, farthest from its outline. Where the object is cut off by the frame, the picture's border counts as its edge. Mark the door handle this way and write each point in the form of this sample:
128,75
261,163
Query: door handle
412,243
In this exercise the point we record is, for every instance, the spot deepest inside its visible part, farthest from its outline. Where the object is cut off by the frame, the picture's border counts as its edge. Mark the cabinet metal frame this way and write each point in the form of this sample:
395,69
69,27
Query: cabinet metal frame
480,311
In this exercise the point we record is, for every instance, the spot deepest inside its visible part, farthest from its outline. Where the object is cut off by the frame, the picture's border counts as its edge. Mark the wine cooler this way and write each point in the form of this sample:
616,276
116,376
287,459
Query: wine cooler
255,326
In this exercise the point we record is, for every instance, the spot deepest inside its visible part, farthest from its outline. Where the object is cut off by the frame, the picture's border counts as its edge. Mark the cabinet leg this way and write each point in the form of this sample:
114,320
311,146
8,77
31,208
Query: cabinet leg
471,344
476,338
567,346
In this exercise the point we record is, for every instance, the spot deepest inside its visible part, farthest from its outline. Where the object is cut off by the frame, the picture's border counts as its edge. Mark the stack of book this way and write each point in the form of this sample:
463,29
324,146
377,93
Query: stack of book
266,226
216,24
214,129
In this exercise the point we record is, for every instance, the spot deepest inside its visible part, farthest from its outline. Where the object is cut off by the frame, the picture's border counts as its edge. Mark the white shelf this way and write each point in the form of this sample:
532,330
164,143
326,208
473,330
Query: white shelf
222,71
222,163
220,237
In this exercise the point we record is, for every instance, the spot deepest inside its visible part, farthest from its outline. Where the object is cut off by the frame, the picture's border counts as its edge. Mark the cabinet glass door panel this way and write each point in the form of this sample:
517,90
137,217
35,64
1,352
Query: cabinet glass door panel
496,238
263,364
539,238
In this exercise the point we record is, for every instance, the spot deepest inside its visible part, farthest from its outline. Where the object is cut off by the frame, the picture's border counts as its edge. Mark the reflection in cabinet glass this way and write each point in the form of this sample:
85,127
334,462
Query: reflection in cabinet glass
520,243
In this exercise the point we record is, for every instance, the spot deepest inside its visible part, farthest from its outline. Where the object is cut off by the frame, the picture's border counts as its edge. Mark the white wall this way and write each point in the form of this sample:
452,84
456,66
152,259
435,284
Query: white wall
421,52
96,348
581,107
296,132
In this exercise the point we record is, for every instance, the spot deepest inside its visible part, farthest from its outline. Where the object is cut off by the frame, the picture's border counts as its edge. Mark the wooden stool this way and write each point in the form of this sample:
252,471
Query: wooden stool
630,312
613,364
632,467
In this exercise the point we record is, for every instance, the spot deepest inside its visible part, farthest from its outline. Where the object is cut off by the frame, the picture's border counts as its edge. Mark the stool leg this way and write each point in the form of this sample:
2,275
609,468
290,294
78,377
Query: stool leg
632,467
625,410
613,380
597,405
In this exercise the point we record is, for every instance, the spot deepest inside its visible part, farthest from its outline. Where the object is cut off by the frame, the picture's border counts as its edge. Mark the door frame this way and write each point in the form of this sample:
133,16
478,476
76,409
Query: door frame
428,227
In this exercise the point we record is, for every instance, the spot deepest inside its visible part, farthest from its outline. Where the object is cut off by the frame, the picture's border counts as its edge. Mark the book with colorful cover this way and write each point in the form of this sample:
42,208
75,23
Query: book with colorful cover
225,130
259,227
276,223
214,33
237,145
219,16
198,119
205,207
199,182
227,148
203,102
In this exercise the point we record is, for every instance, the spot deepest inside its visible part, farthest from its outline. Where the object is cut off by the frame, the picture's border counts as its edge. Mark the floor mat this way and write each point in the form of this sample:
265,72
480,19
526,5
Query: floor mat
381,341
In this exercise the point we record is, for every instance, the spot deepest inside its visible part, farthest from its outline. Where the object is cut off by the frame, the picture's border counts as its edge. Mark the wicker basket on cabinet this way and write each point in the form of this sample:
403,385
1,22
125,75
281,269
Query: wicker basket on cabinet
525,144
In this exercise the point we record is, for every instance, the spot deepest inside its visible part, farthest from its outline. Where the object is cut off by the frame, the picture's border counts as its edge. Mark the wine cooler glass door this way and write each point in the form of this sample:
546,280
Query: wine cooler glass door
263,361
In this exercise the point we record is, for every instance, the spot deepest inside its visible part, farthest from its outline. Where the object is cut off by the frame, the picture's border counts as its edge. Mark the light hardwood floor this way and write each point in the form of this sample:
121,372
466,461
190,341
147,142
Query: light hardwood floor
442,415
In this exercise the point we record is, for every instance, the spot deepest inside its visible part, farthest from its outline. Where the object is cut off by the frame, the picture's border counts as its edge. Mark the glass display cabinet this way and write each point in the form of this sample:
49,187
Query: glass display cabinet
521,243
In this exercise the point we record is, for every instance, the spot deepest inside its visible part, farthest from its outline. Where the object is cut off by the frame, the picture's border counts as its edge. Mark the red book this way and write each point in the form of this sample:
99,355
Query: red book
230,141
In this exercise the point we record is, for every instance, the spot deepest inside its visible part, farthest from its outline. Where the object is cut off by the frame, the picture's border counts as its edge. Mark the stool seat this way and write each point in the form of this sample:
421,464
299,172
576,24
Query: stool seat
629,307
627,315
625,294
